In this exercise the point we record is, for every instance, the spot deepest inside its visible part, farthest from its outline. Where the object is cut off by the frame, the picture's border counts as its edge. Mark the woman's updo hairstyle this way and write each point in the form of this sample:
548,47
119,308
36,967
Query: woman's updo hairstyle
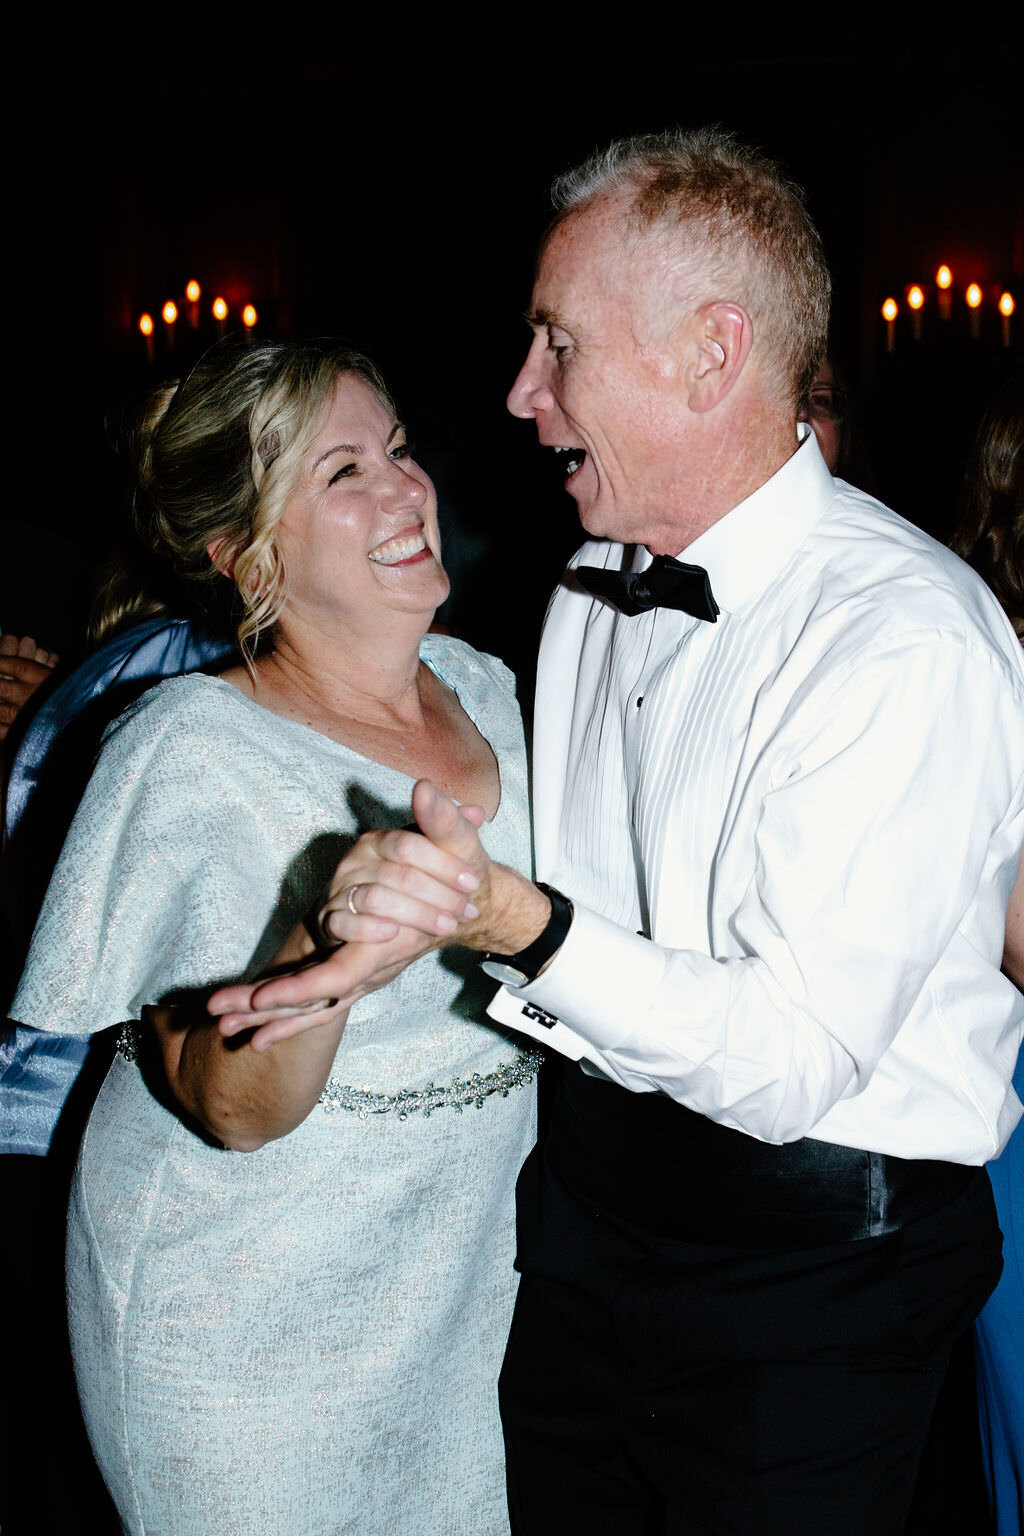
217,464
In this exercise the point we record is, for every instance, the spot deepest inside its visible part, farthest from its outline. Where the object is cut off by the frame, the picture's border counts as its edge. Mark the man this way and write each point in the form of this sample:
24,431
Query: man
780,831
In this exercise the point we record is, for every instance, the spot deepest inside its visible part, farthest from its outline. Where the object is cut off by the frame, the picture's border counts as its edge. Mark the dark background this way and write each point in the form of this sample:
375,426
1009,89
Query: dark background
359,180
388,185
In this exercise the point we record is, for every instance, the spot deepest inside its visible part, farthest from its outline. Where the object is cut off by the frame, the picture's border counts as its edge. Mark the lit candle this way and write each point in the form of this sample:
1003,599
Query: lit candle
1006,309
249,318
944,282
146,327
219,310
170,315
973,296
915,298
193,293
890,309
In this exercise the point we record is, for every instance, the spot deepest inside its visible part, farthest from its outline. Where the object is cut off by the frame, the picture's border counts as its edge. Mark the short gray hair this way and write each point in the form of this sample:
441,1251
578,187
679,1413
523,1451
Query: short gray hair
744,221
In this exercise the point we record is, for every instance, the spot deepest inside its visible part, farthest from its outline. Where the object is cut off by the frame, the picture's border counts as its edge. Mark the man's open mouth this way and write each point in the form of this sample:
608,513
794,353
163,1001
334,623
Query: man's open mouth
570,460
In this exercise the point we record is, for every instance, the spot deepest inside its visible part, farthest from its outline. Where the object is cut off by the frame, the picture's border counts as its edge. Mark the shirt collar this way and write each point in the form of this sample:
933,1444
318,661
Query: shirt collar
747,548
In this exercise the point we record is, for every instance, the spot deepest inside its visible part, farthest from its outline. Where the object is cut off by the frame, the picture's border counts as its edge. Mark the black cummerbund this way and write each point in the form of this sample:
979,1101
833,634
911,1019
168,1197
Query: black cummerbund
655,1164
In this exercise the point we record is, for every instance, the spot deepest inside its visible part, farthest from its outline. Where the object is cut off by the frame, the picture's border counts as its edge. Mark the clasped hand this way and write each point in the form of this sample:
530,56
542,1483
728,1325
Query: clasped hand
395,895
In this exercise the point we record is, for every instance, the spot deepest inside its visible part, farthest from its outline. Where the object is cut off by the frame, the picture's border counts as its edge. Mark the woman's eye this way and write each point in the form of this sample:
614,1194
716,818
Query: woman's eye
401,451
342,473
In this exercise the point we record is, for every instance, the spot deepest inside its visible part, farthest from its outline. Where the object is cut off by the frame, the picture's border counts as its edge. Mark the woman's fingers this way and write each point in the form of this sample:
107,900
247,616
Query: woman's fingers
406,859
372,912
359,929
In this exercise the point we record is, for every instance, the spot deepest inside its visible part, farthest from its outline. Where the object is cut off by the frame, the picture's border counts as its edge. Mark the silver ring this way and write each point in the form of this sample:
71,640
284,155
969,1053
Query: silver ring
348,900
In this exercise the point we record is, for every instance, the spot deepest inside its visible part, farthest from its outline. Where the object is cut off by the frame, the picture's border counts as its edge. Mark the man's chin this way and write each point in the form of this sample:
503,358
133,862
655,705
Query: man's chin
592,519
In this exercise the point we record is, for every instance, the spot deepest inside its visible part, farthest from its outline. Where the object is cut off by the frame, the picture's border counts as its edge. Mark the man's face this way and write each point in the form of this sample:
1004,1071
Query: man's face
599,379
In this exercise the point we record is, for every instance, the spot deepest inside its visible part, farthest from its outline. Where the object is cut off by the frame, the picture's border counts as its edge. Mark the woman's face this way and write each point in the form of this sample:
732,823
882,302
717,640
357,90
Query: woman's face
359,534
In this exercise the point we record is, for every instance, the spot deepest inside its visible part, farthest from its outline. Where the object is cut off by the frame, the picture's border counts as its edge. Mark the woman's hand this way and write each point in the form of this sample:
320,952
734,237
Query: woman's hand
400,879
287,1004
406,893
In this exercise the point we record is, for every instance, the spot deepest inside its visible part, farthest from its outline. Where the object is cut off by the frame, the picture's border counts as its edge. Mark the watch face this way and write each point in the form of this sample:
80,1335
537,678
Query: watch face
508,975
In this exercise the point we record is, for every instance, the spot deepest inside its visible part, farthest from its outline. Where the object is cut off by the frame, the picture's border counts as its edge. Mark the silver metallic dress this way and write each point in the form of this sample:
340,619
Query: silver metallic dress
306,1339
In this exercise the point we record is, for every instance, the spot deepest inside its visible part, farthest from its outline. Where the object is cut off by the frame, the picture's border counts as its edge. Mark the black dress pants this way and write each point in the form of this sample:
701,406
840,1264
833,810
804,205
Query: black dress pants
655,1385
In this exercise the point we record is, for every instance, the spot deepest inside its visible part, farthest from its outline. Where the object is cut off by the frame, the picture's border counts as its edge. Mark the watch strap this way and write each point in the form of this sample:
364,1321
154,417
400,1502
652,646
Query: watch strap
517,970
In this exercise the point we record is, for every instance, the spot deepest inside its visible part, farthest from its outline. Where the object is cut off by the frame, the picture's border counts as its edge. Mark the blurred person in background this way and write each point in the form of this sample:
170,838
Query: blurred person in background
990,537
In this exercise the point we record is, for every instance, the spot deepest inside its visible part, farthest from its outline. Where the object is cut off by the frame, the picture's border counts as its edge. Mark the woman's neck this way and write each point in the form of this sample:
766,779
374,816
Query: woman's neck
373,680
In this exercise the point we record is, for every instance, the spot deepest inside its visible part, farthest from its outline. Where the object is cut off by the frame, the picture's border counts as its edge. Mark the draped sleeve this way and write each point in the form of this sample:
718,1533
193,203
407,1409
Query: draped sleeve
164,883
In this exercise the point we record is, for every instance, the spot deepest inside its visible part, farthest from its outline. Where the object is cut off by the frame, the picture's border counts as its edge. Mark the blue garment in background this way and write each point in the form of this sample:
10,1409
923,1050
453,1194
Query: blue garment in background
51,768
999,1342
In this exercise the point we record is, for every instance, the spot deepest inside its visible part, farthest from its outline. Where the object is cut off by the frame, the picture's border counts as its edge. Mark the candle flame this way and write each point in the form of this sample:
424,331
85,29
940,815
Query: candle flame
890,309
193,291
973,296
1007,305
170,312
220,309
944,277
249,316
915,297
146,324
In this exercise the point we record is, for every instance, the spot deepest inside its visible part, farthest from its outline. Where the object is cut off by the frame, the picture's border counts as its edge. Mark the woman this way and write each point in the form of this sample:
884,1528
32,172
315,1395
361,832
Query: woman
307,1339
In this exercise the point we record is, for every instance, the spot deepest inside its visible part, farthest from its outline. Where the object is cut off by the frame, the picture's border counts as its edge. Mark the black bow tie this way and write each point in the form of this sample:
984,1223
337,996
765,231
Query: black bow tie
666,583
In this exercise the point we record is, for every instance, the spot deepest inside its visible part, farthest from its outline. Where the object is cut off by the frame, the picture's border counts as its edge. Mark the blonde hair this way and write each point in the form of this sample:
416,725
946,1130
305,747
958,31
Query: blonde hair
217,460
736,223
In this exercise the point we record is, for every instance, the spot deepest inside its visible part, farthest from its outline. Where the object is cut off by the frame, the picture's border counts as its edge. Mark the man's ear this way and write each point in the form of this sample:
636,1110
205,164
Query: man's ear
222,556
723,335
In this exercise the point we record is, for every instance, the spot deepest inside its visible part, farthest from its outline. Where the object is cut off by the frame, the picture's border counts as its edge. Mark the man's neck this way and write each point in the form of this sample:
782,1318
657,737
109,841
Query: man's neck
732,468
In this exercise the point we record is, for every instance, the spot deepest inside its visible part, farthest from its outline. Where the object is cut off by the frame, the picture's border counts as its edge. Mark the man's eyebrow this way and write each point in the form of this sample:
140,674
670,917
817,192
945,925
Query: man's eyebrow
356,448
538,318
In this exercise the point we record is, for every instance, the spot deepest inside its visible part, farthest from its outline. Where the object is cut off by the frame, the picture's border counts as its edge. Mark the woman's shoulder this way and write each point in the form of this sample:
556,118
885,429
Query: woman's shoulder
186,726
458,663
193,701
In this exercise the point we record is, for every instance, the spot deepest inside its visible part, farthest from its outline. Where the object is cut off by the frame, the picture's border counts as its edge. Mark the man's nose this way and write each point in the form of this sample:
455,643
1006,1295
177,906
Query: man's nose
530,394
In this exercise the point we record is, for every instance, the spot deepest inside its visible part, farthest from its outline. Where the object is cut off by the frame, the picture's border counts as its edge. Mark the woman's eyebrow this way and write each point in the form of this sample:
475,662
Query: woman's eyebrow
356,448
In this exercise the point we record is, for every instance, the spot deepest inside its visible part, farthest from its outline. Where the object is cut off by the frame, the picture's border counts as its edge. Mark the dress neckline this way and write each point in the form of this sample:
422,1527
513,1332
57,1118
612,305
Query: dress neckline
428,654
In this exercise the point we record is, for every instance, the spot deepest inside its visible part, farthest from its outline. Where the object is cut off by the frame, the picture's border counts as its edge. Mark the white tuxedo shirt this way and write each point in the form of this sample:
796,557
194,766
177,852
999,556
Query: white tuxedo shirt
789,836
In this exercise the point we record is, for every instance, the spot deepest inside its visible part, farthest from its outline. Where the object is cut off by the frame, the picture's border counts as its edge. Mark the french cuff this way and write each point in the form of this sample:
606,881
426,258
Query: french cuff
602,981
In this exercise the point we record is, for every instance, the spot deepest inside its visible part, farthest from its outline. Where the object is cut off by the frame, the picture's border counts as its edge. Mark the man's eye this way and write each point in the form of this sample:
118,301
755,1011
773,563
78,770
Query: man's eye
558,348
342,473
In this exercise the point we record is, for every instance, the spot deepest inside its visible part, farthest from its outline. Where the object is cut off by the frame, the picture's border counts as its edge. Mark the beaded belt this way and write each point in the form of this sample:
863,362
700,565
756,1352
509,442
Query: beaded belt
411,1101
403,1101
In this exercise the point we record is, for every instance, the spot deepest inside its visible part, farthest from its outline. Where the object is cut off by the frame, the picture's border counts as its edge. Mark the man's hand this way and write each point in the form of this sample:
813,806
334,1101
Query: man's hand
423,882
401,878
23,666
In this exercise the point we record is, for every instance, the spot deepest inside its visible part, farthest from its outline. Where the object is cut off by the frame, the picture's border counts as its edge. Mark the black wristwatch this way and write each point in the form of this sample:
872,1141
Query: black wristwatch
517,970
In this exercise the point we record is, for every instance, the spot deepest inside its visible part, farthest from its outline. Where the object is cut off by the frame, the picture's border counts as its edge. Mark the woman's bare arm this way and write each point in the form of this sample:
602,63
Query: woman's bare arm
241,1096
250,1085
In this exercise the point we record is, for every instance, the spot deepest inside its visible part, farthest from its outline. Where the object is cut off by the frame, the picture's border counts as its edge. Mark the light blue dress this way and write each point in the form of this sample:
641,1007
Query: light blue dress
304,1340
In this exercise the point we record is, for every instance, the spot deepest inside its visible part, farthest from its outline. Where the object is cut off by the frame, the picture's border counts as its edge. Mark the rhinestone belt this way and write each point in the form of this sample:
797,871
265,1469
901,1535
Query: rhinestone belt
405,1101
423,1101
